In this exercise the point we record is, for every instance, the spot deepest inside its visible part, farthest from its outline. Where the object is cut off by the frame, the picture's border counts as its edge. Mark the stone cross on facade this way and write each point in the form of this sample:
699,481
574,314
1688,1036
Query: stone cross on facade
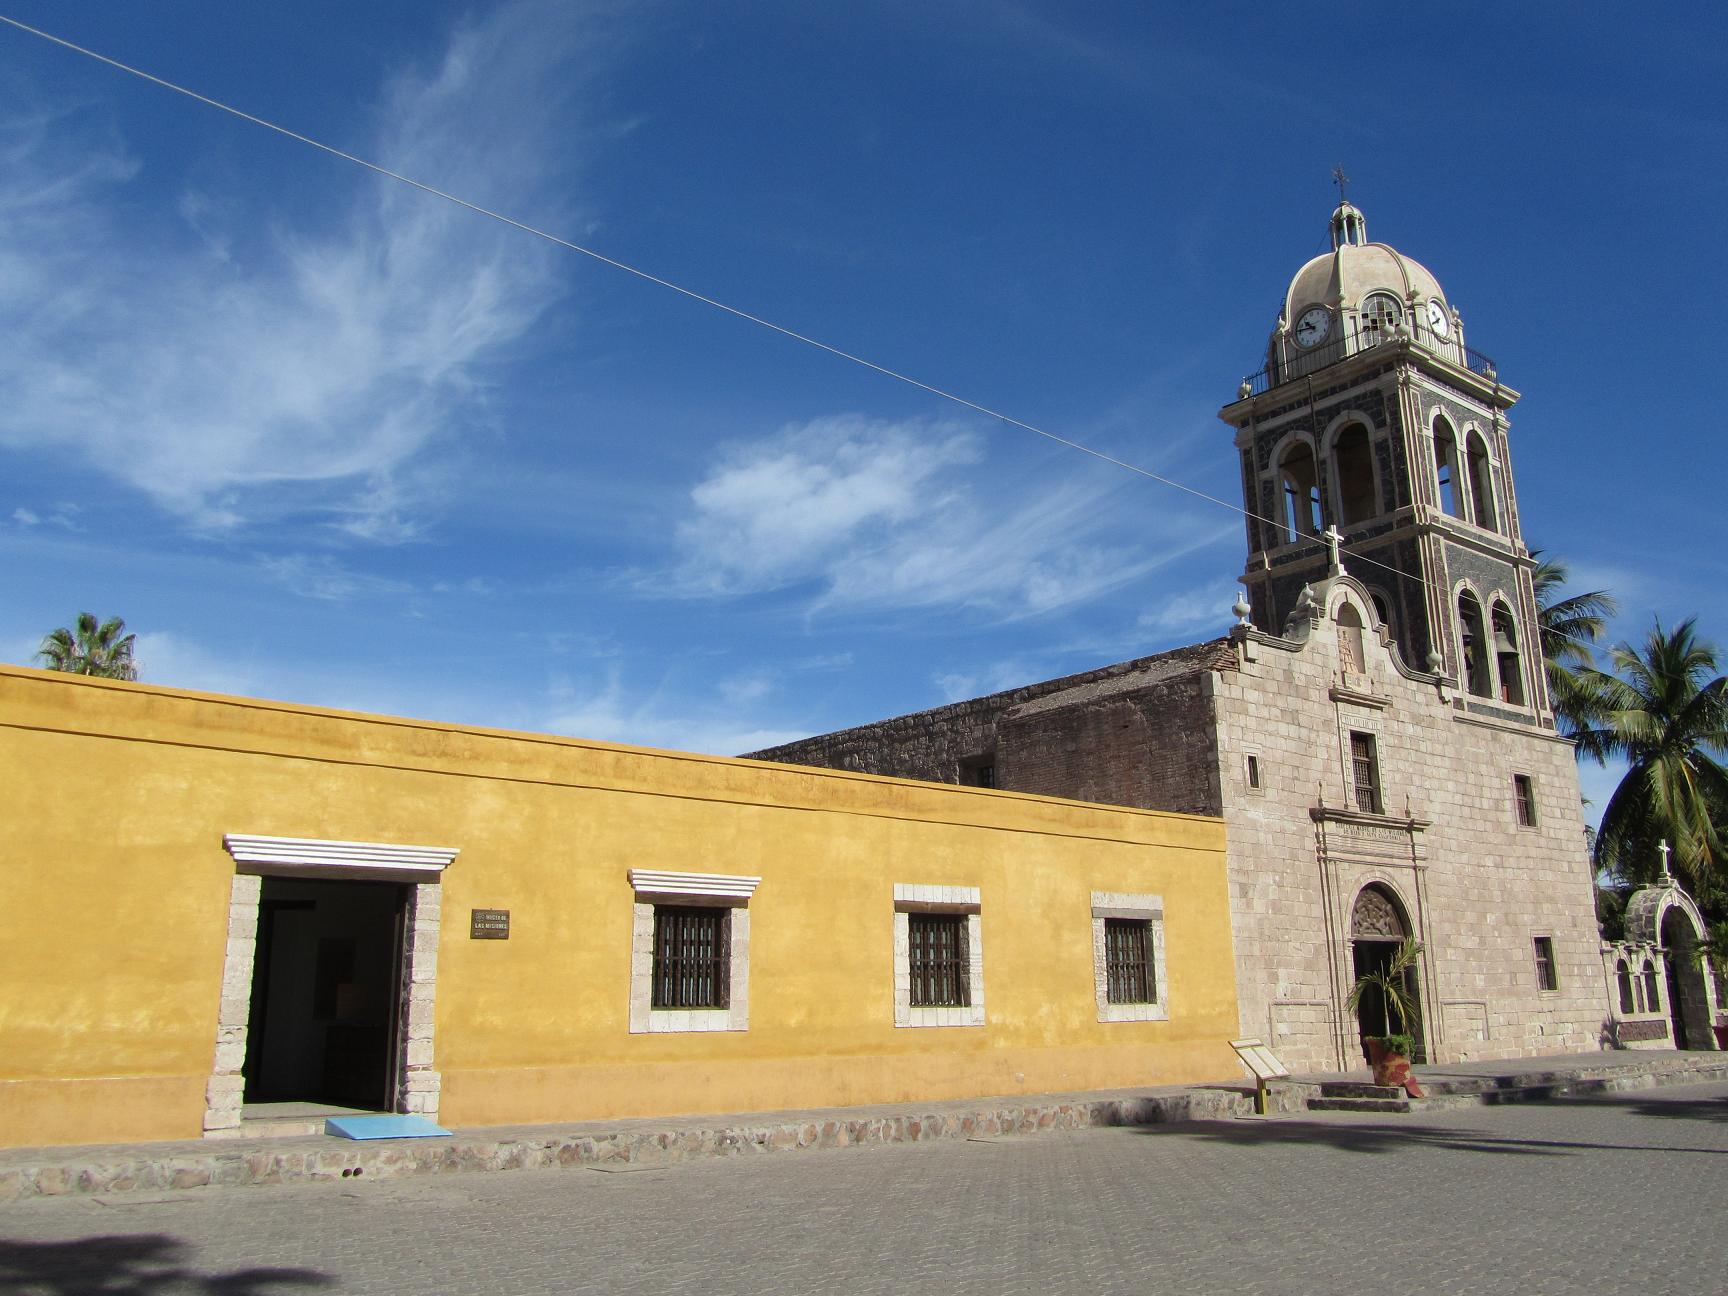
1663,847
1333,540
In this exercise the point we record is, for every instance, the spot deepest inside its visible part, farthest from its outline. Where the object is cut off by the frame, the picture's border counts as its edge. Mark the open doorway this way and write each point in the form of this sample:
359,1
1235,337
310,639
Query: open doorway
326,988
1377,928
1688,996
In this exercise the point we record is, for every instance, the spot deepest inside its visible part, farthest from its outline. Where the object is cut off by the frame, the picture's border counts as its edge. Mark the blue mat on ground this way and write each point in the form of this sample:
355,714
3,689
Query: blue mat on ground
383,1127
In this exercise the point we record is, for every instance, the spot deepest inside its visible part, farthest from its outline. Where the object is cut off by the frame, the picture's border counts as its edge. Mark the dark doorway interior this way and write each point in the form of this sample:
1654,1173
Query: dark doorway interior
325,988
1688,999
1372,1016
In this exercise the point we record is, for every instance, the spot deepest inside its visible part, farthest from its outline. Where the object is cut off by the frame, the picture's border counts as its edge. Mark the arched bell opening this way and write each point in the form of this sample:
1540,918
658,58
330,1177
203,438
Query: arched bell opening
1473,646
1378,926
1299,477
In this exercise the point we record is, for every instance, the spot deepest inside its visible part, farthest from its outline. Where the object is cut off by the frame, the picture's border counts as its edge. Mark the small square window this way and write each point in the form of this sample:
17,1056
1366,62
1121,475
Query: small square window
1547,977
1128,957
689,951
1524,799
938,956
1365,773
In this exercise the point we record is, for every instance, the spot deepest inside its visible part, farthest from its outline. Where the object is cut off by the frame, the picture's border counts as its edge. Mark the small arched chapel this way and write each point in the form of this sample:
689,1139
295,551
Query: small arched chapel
1375,730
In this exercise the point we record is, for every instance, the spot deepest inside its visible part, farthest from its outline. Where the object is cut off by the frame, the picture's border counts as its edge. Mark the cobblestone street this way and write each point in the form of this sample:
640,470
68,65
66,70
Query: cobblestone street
1620,1194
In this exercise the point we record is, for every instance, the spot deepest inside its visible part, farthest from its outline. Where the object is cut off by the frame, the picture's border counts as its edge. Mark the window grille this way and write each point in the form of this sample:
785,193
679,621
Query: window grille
691,957
1127,961
939,960
1365,773
1525,795
1546,977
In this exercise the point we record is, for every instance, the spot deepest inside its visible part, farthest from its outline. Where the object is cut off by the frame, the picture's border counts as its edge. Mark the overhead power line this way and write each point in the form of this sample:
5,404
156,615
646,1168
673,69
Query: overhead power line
737,312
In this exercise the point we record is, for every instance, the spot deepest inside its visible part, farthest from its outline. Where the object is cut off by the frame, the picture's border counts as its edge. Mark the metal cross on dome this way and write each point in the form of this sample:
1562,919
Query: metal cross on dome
1340,179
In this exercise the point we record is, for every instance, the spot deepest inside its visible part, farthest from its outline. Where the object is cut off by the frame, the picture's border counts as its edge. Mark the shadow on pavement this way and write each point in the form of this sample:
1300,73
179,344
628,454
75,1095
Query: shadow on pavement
1705,1109
137,1265
1391,1138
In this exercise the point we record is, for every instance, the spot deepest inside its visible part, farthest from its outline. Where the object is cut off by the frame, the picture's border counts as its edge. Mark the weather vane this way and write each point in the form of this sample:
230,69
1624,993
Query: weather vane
1340,179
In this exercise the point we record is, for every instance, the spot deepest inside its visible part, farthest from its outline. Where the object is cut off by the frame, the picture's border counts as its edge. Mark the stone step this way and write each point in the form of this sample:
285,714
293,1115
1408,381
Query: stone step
1358,1089
1386,1106
281,1127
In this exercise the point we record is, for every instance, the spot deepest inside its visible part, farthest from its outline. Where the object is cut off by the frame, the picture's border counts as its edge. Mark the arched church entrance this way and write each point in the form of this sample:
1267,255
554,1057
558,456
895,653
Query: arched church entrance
1377,927
1688,998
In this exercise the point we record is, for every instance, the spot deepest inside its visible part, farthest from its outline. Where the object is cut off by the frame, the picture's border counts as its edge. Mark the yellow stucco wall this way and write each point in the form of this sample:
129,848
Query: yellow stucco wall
114,892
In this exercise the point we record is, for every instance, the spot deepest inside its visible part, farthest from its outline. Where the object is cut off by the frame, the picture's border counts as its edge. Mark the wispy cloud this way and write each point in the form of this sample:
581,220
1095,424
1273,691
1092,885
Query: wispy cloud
239,377
321,576
1202,612
870,513
612,713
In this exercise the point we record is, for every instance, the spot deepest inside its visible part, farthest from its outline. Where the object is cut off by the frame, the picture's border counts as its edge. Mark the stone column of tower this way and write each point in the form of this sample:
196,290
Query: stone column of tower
1374,417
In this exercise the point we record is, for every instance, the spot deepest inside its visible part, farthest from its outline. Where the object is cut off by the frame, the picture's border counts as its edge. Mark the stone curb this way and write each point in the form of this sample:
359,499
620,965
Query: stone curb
313,1160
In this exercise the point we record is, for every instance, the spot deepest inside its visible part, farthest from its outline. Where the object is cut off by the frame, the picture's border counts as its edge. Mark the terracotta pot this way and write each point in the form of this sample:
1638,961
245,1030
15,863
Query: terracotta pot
1392,1070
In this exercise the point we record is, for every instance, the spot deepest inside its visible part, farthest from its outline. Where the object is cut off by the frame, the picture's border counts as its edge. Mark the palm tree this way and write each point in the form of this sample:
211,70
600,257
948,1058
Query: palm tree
1568,626
1665,713
91,648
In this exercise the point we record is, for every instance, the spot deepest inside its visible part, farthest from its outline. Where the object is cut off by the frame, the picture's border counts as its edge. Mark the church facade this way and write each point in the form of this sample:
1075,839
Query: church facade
1375,730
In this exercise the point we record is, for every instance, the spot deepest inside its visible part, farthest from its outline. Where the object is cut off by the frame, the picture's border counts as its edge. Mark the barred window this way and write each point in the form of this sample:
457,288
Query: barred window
1127,961
939,960
691,957
1365,773
1546,975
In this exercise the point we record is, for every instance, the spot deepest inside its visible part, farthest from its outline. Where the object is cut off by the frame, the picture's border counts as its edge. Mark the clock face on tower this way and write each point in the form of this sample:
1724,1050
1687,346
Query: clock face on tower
1312,326
1437,320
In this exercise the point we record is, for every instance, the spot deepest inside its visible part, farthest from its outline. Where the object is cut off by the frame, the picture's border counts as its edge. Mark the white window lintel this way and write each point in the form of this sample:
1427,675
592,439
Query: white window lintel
315,856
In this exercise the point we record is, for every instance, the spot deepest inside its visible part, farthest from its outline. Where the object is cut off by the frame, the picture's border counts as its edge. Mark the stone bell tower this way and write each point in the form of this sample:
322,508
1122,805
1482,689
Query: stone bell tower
1373,416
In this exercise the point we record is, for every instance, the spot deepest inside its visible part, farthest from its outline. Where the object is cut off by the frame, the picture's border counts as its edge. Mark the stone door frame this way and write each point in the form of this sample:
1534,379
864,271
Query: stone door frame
419,869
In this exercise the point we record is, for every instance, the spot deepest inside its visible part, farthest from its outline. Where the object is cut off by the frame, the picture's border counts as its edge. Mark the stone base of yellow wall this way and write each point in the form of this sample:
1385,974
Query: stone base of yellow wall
538,1095
108,1109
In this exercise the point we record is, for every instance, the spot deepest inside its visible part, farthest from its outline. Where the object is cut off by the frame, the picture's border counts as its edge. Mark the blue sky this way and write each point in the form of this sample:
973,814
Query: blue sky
320,437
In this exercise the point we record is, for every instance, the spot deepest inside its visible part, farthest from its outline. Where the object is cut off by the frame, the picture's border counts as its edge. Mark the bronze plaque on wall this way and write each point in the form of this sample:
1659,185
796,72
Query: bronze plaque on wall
489,924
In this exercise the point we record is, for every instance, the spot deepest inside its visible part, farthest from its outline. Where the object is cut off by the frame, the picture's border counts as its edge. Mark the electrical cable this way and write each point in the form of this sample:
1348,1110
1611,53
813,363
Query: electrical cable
792,334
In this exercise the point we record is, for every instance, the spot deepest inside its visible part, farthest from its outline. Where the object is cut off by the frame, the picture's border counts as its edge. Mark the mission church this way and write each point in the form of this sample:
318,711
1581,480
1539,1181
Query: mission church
1375,730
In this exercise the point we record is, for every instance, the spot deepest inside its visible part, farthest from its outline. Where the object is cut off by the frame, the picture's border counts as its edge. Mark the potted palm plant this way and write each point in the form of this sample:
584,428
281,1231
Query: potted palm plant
1389,1052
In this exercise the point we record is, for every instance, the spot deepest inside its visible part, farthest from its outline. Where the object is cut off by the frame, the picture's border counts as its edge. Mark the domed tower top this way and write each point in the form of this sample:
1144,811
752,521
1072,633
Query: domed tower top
1357,296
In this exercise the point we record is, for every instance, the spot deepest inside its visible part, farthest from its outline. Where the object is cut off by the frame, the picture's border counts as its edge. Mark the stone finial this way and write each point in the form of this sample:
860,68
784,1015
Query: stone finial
1436,663
1241,609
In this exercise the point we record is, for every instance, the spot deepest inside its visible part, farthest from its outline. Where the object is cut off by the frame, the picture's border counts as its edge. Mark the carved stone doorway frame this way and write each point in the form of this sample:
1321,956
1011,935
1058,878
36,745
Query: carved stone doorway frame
1355,850
416,1084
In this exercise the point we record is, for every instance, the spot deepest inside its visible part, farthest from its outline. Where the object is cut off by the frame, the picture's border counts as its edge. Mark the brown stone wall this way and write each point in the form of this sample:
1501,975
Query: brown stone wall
1152,758
1152,747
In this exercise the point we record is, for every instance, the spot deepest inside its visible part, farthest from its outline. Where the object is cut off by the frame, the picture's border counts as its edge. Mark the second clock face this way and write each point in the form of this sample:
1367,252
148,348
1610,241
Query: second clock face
1312,326
1437,320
